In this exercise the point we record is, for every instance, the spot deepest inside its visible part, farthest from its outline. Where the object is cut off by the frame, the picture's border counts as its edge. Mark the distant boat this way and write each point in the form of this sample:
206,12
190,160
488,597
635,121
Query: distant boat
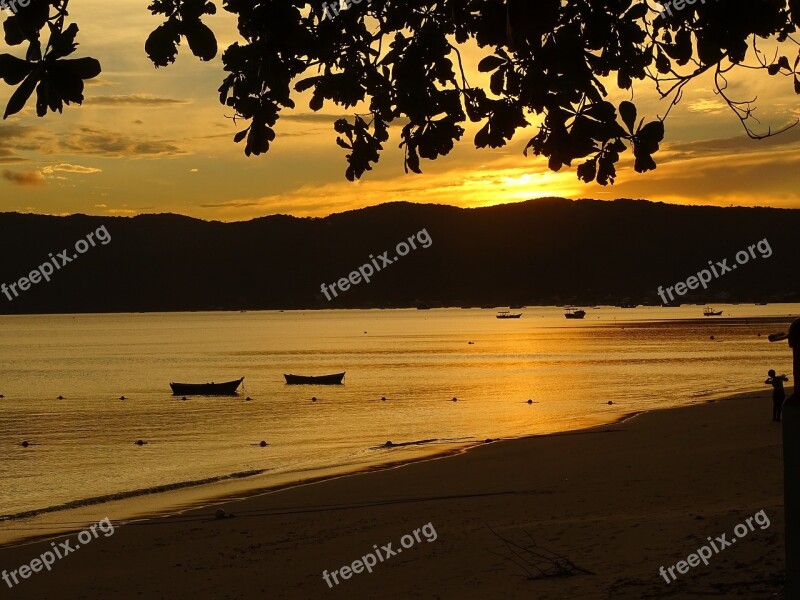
574,313
761,303
206,389
504,314
710,312
334,379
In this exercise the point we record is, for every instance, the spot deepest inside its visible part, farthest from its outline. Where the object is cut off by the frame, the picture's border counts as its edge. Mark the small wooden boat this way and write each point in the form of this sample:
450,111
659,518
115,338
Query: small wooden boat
206,389
710,312
574,313
504,314
334,379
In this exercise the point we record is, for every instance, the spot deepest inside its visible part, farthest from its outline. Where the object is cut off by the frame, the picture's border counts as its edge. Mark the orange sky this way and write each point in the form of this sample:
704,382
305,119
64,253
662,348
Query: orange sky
149,140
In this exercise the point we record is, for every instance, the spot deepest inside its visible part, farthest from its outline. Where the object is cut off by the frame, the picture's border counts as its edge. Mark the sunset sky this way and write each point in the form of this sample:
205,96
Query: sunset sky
148,140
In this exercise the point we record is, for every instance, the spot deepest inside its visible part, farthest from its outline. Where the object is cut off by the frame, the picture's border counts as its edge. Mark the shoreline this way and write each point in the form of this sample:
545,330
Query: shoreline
236,488
617,501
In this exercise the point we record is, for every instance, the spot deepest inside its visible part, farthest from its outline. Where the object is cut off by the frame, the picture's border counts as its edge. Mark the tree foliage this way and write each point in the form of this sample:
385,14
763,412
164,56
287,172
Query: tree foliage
403,61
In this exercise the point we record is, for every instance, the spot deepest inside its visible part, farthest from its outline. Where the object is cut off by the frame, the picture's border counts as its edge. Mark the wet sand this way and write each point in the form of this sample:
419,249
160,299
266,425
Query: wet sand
617,502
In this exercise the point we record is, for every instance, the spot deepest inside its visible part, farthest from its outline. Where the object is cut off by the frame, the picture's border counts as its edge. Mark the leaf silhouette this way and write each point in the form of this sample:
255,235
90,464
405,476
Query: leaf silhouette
20,96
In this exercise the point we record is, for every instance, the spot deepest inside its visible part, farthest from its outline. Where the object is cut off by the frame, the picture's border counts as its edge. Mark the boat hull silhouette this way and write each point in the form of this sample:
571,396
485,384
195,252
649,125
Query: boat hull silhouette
334,379
227,388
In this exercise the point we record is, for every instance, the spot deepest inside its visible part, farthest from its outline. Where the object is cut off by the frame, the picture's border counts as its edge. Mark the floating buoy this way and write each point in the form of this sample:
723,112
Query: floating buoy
383,397
140,442
455,399
610,402
313,398
712,337
1,396
470,343
530,401
184,398
388,444
60,398
263,444
248,399
25,444
122,398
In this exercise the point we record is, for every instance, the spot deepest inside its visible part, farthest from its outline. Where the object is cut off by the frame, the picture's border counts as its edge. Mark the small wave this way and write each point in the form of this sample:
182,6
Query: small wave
130,494
391,444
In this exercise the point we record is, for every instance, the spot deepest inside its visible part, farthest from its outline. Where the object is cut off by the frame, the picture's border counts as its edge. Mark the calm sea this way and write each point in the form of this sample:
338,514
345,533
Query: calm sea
82,448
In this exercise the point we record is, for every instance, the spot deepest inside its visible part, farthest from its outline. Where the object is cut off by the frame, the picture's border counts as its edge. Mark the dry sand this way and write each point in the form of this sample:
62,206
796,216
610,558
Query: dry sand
617,501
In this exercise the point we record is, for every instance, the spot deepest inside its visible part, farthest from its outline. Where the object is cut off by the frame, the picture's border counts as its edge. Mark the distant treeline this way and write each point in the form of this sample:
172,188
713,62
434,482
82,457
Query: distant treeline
549,251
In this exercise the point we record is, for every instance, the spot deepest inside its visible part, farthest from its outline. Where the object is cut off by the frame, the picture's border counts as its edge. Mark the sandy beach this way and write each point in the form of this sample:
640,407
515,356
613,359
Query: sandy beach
617,502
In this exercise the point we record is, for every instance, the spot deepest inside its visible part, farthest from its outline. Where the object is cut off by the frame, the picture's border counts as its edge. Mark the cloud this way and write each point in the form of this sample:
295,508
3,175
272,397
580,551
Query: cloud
68,168
23,177
145,100
706,106
327,118
312,117
12,139
114,144
99,82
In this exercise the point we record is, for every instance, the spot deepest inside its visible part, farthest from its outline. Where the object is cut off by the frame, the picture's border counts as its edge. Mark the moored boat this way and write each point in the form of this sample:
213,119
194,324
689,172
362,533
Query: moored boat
710,312
574,313
504,314
227,388
334,379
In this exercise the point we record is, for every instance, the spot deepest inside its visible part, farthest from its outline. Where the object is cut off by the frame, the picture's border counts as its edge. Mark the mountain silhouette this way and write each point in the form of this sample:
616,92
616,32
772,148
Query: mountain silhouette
547,251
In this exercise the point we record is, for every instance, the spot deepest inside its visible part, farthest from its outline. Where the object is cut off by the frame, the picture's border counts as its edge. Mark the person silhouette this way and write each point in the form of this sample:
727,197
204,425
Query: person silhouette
778,395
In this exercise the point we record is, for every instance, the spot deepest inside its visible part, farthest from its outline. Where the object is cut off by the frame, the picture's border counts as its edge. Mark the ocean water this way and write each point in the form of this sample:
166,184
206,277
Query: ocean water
82,449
